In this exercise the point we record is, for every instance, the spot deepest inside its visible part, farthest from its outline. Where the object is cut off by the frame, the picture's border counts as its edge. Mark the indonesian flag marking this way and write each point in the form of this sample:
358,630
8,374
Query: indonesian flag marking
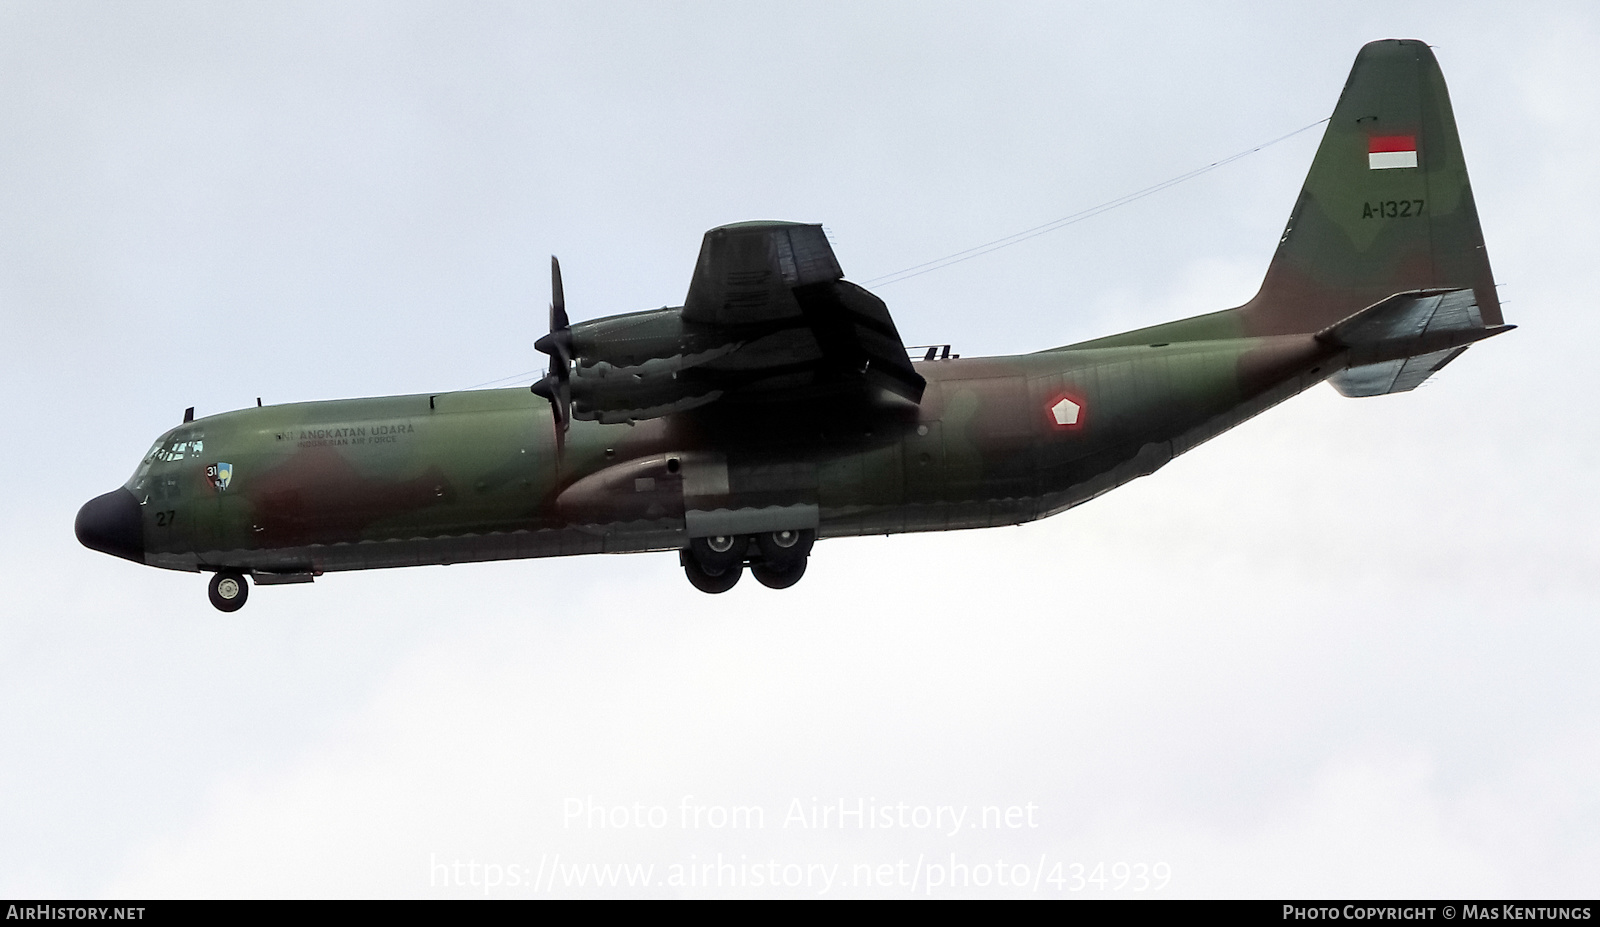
1385,152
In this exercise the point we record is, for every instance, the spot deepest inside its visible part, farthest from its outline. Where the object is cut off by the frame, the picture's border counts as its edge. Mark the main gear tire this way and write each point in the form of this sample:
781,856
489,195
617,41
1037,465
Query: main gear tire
716,554
706,581
228,590
779,577
782,549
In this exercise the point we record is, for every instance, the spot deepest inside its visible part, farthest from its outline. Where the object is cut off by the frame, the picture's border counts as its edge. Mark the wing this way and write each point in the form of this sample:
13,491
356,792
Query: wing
769,317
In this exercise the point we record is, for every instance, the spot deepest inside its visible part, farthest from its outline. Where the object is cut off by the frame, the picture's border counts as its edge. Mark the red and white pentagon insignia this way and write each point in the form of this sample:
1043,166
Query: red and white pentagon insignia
1066,413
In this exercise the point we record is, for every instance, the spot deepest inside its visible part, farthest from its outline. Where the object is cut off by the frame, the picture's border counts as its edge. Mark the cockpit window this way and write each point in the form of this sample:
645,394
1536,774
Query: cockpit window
169,449
186,449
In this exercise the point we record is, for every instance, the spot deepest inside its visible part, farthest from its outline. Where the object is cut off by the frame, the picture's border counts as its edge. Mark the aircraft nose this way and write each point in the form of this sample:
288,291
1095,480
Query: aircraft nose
111,525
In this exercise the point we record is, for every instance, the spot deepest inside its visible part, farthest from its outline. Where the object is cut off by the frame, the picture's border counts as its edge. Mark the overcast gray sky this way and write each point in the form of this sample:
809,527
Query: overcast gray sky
1345,649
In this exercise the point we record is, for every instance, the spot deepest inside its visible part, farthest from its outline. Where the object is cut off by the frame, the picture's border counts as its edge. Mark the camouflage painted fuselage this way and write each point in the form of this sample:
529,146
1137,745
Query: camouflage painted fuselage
779,399
469,476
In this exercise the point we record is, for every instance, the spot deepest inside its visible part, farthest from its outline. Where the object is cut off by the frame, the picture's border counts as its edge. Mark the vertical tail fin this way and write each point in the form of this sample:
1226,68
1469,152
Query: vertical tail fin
1387,207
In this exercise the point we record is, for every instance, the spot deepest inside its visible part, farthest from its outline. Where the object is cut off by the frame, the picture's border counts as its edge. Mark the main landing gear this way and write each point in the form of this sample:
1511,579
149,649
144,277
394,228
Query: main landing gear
228,590
777,559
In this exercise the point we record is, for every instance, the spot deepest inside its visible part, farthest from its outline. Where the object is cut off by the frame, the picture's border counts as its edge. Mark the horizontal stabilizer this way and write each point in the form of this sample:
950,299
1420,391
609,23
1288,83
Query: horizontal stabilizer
1397,343
1396,376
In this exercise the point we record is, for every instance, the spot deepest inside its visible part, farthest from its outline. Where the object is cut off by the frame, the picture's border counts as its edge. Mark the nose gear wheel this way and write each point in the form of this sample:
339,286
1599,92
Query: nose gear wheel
228,590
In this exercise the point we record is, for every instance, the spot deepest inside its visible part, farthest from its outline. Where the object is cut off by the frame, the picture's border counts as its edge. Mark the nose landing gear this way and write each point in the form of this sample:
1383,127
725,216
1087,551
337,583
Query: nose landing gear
777,559
228,590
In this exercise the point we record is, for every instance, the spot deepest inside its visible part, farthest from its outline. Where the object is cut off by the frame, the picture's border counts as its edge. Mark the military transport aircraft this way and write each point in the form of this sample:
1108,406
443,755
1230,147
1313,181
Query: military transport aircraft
778,405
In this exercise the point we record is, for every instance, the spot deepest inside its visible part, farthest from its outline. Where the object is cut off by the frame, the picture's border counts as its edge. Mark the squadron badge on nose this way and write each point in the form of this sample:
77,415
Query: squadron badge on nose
220,475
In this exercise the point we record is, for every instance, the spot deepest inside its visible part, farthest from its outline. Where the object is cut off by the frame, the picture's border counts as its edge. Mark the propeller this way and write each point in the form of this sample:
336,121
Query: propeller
556,386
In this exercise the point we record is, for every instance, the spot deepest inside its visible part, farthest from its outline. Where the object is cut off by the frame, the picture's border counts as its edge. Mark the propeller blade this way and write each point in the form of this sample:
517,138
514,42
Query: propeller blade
556,386
558,341
558,300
